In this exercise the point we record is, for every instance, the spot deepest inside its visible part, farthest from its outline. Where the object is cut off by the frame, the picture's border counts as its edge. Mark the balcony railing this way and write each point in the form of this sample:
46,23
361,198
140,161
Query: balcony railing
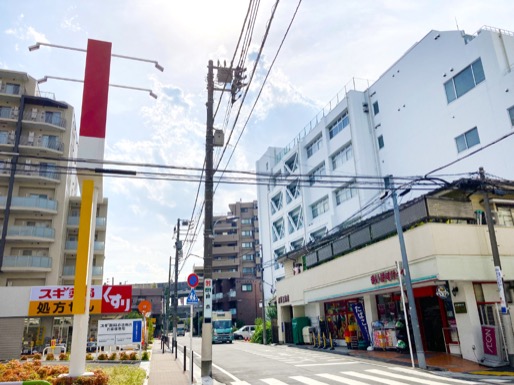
31,261
10,90
43,118
74,221
70,271
31,231
72,245
30,202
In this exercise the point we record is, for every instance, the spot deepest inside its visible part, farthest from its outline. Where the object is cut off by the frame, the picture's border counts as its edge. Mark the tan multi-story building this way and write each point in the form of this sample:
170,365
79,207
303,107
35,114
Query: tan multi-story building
39,200
237,263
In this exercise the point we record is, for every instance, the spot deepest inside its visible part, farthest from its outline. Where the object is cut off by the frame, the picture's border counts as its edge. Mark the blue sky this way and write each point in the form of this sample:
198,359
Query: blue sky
330,42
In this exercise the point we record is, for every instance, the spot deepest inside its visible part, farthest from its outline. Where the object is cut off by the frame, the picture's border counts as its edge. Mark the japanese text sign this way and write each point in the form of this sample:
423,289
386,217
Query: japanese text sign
58,300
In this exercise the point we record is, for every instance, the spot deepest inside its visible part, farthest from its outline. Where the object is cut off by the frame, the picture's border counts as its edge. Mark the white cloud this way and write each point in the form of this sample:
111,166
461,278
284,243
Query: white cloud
71,24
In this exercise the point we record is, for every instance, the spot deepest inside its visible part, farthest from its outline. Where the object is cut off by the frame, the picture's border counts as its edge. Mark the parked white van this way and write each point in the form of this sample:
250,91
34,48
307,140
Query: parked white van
244,332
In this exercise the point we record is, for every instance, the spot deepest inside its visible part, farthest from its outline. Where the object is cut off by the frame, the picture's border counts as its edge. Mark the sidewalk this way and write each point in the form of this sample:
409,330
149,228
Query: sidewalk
164,369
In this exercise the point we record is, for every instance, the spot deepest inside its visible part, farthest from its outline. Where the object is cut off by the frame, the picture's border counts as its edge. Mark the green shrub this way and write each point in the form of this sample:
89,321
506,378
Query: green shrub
64,357
102,357
37,356
23,358
50,357
133,356
145,356
113,356
99,378
124,356
89,357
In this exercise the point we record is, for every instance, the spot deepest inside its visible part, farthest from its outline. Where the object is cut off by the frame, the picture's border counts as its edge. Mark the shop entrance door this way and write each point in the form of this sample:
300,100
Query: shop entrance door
432,325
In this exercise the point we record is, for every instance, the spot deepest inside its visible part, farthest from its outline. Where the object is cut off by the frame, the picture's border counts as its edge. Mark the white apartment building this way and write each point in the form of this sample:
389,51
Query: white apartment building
448,101
39,204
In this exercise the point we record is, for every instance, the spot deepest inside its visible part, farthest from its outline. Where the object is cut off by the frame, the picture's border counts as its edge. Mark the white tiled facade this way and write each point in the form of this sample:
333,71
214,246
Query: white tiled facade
449,95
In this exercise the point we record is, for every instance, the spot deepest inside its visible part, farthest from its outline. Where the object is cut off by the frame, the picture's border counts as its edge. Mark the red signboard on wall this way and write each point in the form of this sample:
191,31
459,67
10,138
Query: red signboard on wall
116,299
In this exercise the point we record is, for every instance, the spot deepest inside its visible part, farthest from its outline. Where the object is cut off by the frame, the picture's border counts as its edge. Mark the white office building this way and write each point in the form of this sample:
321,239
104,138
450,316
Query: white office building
448,101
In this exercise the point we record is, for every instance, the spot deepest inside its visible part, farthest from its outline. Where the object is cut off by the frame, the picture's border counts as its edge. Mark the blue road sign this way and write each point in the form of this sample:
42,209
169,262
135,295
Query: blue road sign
137,327
192,299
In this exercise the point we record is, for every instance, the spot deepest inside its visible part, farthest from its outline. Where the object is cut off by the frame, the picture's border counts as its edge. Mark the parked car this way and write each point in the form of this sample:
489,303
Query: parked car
244,332
91,347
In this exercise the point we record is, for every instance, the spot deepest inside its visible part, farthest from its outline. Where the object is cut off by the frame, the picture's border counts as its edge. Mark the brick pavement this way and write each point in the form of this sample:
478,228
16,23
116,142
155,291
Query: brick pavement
164,369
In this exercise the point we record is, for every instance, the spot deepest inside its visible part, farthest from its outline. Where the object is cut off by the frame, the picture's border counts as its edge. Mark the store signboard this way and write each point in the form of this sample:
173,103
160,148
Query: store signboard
58,300
207,302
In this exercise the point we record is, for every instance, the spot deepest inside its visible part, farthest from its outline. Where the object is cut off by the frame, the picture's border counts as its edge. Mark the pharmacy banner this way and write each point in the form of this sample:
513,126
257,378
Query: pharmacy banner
58,300
358,310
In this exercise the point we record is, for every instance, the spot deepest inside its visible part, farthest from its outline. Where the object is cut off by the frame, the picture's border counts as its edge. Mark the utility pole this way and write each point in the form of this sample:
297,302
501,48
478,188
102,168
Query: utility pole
505,315
224,75
263,306
167,309
408,283
178,251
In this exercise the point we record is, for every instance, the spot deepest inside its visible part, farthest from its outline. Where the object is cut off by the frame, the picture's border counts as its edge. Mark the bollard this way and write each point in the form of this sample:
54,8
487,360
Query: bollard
185,358
192,379
176,348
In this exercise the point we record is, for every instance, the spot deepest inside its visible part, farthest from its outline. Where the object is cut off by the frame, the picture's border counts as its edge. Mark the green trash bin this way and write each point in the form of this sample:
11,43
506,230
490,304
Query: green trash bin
298,324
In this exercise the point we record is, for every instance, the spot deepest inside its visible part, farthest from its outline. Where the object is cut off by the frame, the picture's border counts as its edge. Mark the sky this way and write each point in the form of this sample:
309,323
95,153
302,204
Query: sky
329,43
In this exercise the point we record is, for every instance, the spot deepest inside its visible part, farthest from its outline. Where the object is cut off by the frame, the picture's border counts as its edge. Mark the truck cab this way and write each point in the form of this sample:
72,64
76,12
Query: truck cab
222,327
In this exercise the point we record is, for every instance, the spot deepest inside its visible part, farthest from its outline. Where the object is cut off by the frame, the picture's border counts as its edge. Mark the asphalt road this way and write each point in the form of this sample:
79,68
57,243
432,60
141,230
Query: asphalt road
244,363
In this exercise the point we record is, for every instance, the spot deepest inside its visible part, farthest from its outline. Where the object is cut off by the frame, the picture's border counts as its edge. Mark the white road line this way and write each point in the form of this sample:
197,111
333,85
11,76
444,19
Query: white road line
374,378
272,381
342,380
407,378
428,375
308,381
240,383
329,363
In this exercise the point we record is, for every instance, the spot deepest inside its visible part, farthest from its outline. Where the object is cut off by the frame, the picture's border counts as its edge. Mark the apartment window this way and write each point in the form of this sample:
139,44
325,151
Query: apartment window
464,81
248,257
337,126
4,136
376,109
345,193
246,287
247,245
317,174
511,115
319,207
317,235
5,112
380,142
13,89
248,270
342,156
314,146
53,117
246,221
467,140
244,209
247,233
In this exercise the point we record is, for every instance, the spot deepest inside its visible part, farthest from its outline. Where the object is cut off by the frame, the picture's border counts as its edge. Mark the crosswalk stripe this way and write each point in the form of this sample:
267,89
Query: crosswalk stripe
374,378
428,375
401,377
272,381
308,381
240,383
344,380
329,363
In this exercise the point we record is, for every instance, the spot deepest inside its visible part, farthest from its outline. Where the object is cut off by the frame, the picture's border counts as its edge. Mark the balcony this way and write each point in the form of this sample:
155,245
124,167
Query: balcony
69,271
30,204
44,142
225,262
44,120
74,221
72,246
45,172
27,262
30,233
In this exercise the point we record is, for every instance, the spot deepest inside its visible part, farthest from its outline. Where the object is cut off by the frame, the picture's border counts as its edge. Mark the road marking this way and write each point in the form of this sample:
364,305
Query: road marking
363,376
240,383
309,381
272,381
329,363
407,378
423,374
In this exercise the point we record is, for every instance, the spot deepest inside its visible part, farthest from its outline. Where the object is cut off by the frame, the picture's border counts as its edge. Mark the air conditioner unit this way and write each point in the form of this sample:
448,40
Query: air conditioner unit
33,115
365,107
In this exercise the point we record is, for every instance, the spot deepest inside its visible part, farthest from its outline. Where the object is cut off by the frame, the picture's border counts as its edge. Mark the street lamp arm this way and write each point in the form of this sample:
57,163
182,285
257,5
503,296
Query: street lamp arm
45,79
39,44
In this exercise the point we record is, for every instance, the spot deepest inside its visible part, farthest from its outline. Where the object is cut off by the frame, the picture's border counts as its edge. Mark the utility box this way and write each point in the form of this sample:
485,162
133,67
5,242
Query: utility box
306,333
298,324
219,138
